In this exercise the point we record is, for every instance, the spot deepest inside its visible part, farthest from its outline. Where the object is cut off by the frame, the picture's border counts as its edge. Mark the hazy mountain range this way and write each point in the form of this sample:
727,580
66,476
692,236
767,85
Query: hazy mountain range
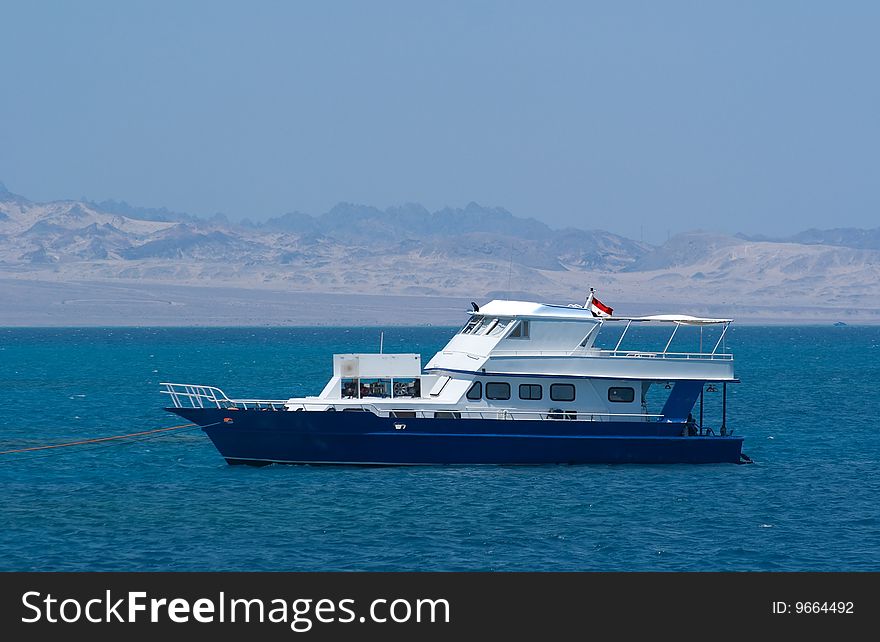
474,252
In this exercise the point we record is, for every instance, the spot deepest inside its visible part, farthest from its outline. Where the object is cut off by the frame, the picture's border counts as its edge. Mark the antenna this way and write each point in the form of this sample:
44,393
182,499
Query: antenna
381,341
509,271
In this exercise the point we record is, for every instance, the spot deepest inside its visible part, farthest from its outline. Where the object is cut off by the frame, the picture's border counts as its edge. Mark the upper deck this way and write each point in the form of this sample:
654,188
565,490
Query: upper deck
523,338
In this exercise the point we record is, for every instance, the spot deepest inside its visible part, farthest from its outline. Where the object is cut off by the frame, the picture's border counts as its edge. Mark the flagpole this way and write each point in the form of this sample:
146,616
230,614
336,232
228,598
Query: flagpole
589,299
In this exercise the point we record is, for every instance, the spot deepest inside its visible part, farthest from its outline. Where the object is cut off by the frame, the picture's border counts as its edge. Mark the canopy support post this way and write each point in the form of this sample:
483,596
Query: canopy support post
723,408
617,347
721,338
668,343
701,407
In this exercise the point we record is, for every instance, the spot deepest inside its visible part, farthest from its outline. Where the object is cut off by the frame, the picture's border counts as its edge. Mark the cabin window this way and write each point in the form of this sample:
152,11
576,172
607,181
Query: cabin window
350,389
621,395
375,387
407,388
498,390
487,327
499,328
562,392
447,414
403,414
520,330
532,391
472,323
476,391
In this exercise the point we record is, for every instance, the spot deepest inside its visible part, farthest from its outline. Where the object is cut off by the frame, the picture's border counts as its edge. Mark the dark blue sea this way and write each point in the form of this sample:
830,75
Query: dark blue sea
807,404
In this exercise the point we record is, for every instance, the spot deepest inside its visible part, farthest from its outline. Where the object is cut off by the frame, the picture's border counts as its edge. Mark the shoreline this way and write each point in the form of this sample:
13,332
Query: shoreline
120,304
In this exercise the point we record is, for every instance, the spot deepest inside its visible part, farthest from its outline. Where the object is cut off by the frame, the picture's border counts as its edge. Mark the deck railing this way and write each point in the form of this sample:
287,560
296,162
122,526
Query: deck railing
632,354
187,395
476,413
708,356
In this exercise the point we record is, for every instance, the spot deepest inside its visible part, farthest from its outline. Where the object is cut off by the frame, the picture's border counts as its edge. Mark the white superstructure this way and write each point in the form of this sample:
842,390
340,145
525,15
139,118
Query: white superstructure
519,360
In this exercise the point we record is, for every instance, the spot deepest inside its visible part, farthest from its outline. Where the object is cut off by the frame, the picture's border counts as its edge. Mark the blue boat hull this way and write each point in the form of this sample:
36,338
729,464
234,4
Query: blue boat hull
263,437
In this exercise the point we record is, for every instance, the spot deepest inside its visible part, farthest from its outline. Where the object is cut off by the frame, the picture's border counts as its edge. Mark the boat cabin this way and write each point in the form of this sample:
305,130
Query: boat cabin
375,376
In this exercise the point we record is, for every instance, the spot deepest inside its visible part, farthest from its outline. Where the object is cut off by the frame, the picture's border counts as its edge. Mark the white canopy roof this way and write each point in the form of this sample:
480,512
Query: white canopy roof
684,319
530,310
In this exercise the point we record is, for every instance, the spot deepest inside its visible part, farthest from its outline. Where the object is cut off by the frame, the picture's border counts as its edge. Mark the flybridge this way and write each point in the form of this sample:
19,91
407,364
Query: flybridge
518,337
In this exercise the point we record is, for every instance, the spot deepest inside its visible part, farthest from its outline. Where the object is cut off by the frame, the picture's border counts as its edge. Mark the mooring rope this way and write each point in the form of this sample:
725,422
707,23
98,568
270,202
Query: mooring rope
83,442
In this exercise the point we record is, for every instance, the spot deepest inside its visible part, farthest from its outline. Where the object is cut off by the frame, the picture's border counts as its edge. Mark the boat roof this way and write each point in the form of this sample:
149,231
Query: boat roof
573,312
683,319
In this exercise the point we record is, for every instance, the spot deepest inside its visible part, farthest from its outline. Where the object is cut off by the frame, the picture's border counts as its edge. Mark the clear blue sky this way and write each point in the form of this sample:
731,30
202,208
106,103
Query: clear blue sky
735,116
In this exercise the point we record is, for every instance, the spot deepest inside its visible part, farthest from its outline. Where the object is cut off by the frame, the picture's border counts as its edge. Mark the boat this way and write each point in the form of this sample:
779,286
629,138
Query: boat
520,383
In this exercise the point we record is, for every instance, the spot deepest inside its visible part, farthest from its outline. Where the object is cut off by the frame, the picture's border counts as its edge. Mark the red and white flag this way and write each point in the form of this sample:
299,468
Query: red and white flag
595,306
599,309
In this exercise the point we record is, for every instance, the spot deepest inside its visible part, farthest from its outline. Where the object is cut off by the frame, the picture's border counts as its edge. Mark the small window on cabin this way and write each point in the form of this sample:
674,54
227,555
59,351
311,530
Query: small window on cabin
476,391
375,388
562,392
499,328
621,395
472,323
531,391
447,414
480,325
520,330
487,326
407,388
404,414
349,388
498,390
